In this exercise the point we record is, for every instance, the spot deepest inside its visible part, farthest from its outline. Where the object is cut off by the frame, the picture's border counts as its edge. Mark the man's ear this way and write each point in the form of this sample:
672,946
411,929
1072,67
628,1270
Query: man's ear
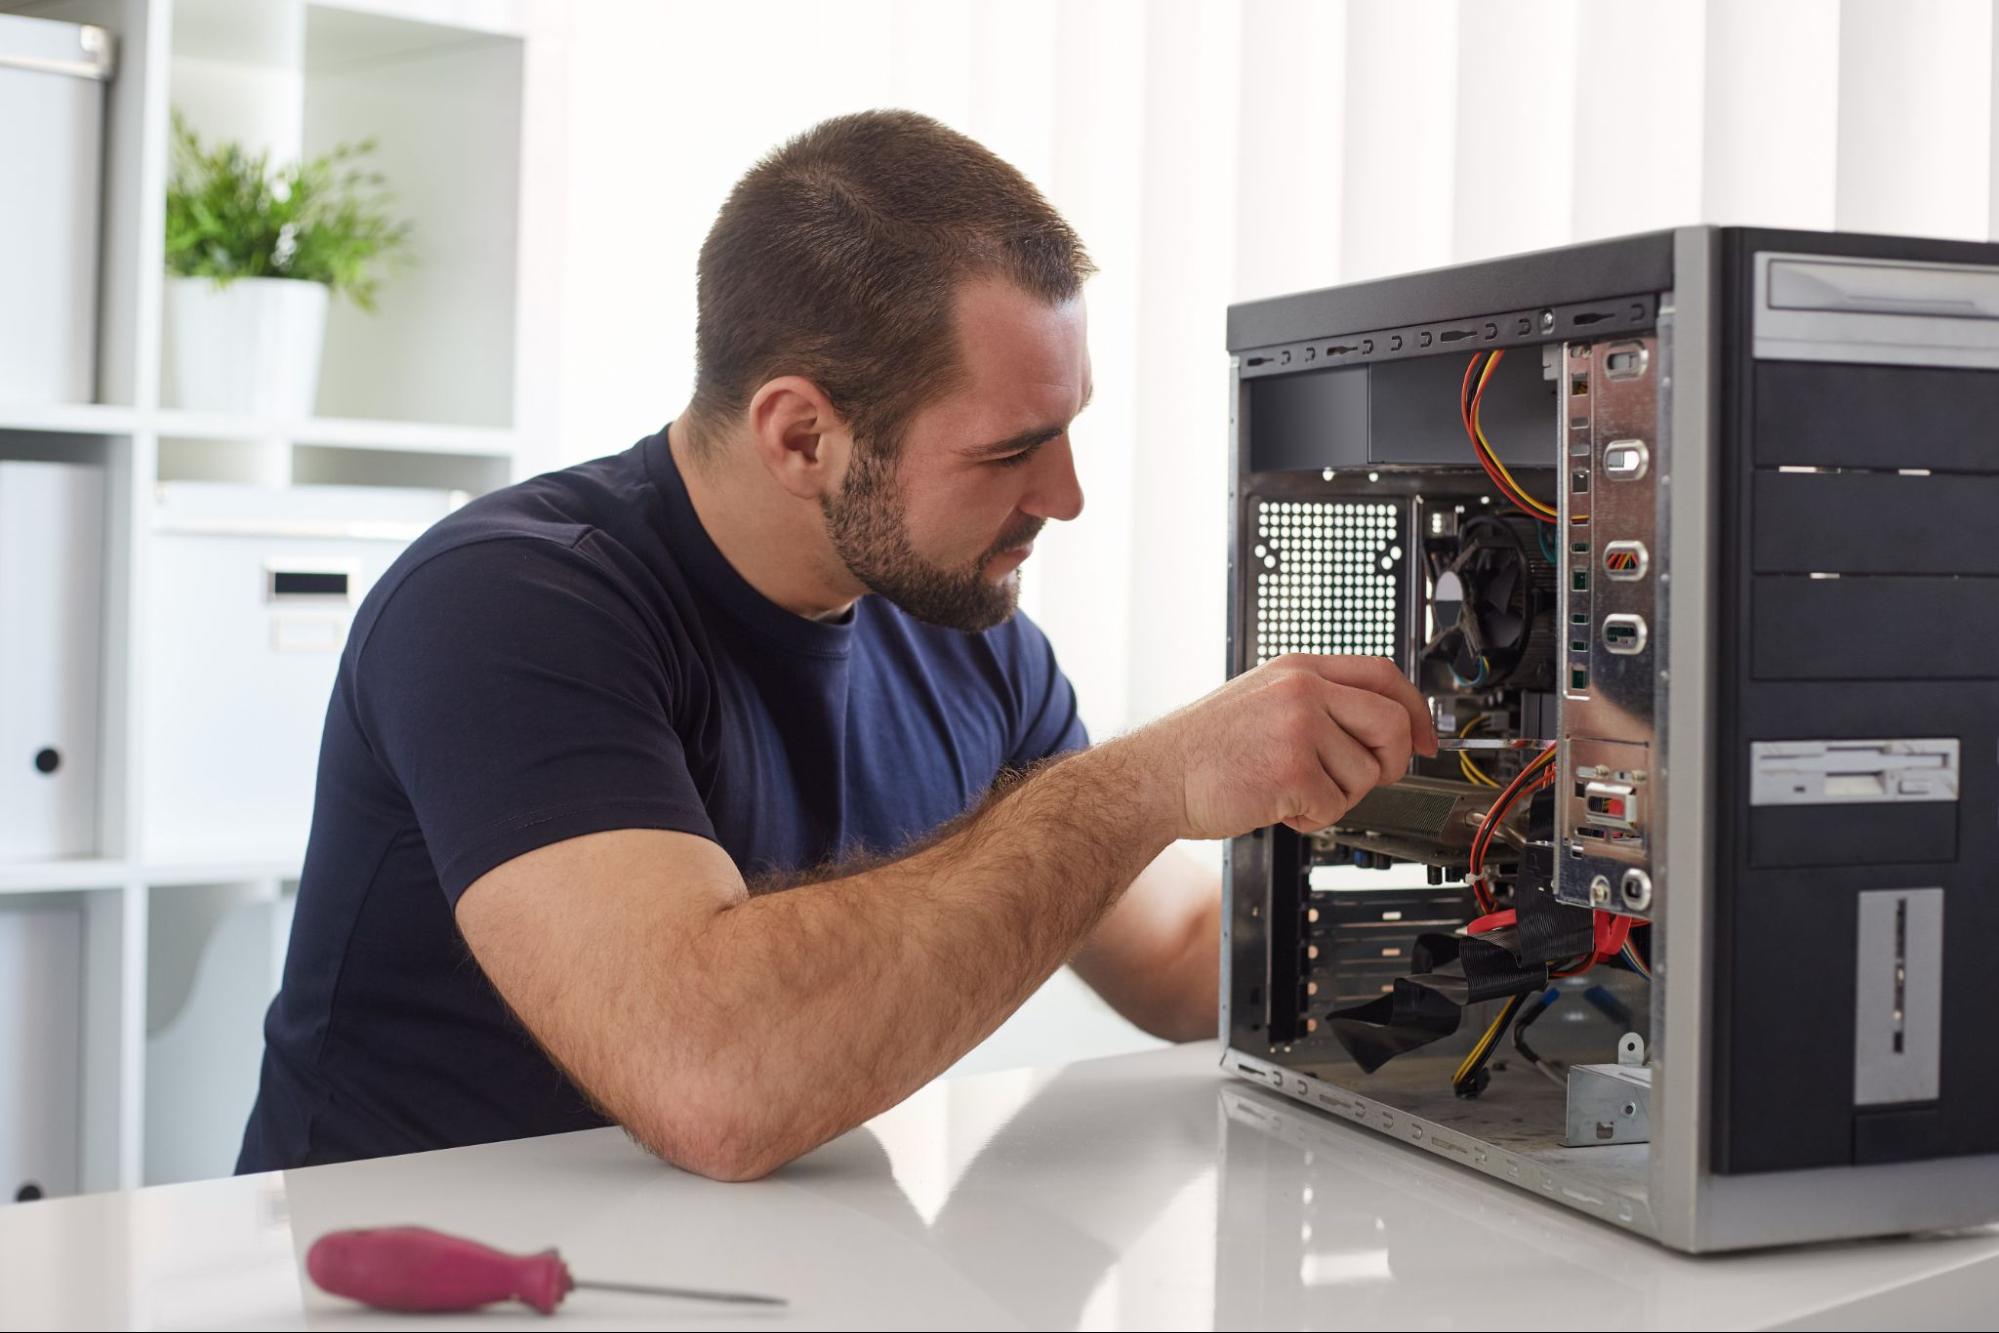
801,441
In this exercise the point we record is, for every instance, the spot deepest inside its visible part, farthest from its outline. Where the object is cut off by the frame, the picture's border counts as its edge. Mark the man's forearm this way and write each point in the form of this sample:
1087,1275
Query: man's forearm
831,1001
1191,1002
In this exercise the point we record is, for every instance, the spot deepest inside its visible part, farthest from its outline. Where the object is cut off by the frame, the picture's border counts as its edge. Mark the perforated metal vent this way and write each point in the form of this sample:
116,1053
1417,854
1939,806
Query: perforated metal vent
1328,577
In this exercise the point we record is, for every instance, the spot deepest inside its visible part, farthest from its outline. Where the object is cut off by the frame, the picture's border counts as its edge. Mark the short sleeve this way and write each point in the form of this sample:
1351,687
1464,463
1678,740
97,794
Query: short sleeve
1050,724
519,697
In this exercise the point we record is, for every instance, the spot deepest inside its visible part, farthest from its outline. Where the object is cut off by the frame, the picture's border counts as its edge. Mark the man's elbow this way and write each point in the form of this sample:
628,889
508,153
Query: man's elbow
730,1165
717,1142
1184,1011
1183,1022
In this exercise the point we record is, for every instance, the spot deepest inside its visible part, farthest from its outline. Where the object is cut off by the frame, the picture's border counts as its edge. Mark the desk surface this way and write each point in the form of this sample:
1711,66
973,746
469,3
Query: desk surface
1145,1191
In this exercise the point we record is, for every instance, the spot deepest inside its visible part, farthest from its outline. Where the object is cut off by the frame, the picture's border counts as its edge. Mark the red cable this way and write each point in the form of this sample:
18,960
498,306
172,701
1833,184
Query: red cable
1538,773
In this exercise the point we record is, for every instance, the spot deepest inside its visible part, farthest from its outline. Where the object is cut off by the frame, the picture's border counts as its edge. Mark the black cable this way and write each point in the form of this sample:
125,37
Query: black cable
1471,380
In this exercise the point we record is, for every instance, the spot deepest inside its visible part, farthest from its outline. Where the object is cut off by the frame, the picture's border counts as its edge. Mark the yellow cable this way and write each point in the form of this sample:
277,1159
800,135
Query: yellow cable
1474,774
1484,1043
1491,454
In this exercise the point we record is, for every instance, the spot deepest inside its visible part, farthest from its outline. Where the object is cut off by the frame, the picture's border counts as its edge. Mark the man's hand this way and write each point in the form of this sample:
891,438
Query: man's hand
1297,741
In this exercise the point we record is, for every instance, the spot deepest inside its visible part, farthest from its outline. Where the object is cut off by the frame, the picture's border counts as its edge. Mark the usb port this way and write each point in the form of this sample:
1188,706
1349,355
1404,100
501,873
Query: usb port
1625,361
1624,460
1624,634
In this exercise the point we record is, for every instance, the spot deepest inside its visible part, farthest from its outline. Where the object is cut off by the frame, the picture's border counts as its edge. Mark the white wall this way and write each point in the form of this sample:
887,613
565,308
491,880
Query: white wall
1215,150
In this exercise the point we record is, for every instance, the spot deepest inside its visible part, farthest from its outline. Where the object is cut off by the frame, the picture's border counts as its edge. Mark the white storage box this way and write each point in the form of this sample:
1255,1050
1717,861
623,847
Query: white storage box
51,618
251,591
52,78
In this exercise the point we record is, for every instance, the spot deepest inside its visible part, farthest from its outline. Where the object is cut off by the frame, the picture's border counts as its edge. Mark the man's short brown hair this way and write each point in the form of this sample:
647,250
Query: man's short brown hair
837,258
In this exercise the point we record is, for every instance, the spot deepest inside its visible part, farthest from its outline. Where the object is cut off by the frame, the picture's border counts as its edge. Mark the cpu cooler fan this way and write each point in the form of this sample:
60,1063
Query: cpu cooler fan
1493,606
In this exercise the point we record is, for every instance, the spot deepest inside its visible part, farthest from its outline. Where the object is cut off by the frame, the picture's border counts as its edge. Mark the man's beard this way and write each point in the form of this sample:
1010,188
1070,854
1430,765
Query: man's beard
865,523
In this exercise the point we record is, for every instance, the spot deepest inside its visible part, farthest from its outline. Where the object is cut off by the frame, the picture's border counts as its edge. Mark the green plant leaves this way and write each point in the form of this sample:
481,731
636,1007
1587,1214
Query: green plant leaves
229,216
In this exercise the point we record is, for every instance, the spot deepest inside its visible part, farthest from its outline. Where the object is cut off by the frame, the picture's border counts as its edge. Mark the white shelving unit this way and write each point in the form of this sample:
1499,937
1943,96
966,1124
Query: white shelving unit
181,952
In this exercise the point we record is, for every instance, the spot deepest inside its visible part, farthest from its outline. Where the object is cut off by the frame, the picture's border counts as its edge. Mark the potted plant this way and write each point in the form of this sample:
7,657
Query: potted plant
252,256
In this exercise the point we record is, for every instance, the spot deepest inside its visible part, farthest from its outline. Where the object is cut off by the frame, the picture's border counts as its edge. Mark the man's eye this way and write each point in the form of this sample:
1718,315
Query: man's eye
1015,460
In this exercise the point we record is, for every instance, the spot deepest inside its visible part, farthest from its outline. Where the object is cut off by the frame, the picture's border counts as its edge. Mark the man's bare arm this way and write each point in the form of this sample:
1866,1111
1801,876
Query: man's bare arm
731,1033
1156,956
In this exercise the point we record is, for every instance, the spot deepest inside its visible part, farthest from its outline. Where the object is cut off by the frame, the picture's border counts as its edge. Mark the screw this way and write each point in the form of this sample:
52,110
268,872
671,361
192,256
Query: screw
1547,321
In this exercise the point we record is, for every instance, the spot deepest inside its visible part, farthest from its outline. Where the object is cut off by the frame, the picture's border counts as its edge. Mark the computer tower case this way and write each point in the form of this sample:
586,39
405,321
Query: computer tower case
1689,539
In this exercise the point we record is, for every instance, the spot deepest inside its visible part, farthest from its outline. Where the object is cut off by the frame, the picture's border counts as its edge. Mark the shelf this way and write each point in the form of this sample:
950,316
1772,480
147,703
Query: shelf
353,31
70,874
338,432
421,437
356,32
417,400
68,418
65,874
169,874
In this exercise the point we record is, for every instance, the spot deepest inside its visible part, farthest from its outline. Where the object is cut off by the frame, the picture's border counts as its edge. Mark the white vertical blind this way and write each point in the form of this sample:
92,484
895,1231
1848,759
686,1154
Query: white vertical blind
1915,117
1292,137
1640,80
1216,150
1516,117
1186,257
1771,153
1401,130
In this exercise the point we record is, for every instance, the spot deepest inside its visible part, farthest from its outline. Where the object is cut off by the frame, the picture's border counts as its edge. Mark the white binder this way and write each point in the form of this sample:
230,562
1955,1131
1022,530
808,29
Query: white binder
41,1040
51,618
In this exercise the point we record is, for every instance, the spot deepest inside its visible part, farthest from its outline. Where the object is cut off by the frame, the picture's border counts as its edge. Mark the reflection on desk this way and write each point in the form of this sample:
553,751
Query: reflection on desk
1143,1191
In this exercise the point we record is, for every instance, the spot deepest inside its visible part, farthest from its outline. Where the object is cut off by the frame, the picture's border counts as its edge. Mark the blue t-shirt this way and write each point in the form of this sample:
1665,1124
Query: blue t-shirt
562,657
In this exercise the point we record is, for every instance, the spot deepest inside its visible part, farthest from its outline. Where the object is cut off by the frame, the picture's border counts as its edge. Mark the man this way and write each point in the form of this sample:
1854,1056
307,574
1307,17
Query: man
678,789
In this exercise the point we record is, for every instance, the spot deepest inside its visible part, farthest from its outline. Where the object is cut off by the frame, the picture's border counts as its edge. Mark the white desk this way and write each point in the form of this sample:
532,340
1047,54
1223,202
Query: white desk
1144,1191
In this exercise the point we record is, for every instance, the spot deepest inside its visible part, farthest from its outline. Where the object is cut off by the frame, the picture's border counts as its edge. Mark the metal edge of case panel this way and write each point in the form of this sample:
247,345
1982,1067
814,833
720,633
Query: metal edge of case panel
1234,605
1682,891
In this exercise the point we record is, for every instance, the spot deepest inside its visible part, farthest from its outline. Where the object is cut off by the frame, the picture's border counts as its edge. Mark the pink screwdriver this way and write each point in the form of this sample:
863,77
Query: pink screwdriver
419,1271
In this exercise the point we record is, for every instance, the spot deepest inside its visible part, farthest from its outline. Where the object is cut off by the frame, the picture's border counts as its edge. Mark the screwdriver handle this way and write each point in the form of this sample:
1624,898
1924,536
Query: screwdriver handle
416,1270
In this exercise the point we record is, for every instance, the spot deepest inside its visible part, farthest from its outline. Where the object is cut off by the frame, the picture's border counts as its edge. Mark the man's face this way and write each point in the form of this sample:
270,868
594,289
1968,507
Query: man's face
941,528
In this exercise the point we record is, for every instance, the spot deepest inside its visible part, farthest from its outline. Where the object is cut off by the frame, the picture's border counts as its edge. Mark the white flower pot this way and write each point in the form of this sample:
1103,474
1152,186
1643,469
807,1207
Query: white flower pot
251,347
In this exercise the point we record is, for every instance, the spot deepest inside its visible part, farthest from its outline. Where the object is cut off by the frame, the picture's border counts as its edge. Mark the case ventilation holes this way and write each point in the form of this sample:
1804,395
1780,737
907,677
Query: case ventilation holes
1327,577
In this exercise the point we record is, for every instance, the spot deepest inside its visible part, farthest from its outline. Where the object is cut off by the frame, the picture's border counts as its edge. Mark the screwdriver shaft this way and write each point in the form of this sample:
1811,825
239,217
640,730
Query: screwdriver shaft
682,1293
